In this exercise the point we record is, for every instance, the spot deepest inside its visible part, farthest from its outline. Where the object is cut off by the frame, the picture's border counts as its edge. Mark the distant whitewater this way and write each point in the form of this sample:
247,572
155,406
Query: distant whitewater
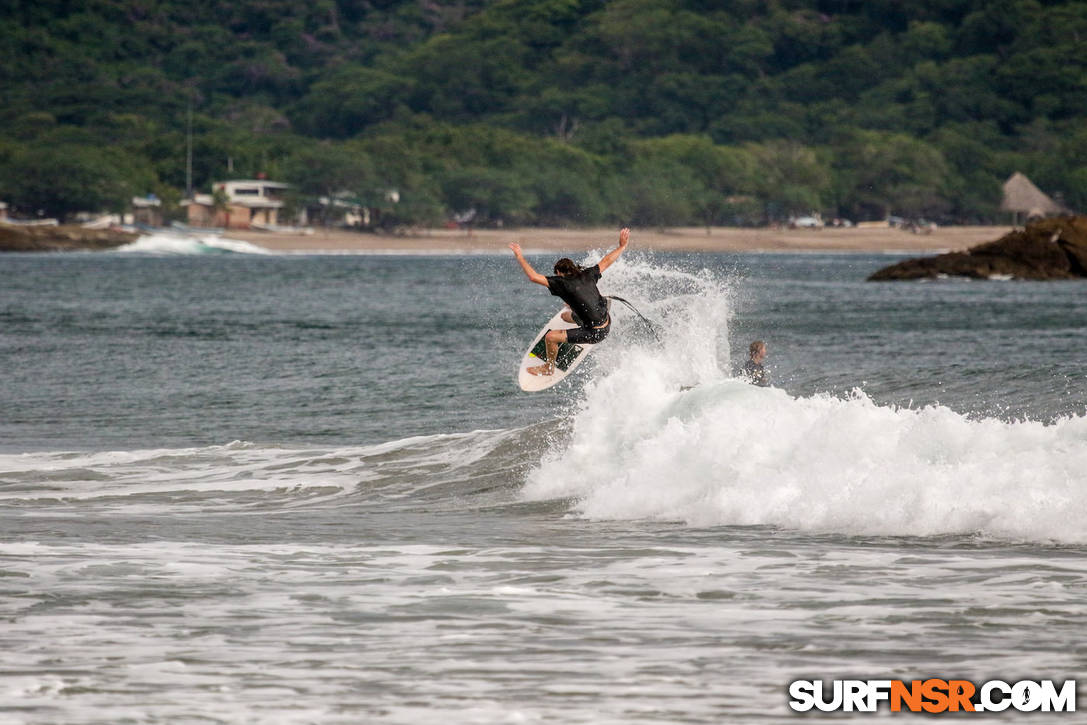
663,433
165,243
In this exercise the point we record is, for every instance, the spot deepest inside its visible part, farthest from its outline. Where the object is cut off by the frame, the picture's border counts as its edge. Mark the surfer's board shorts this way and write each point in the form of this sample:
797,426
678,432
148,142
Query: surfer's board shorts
587,335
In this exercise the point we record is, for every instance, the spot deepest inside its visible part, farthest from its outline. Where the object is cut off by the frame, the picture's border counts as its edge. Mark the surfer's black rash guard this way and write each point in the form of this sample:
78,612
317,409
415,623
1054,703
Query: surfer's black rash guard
580,292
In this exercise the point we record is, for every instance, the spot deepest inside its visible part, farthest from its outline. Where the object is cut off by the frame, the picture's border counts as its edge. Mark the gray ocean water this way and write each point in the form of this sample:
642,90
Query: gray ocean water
296,489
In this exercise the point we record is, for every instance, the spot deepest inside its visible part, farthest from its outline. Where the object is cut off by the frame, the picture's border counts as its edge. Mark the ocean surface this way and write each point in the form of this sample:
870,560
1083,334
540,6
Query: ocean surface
239,487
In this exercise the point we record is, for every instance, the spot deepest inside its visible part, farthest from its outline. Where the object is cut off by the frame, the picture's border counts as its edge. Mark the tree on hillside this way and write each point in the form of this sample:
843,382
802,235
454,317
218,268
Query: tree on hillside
717,173
496,196
323,172
883,174
351,99
661,193
790,179
60,180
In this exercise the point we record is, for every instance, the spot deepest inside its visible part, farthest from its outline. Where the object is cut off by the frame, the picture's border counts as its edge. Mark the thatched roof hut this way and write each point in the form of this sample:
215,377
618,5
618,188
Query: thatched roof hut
1021,196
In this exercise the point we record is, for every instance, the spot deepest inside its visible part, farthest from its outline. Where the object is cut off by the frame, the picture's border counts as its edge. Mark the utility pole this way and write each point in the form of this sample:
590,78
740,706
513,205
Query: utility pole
188,154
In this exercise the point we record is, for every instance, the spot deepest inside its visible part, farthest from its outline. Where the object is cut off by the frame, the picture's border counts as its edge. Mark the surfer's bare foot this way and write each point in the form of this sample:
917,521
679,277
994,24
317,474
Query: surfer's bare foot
548,369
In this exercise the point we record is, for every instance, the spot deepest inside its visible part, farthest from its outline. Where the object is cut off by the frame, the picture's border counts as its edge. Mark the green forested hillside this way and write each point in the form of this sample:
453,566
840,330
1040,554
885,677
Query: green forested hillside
651,112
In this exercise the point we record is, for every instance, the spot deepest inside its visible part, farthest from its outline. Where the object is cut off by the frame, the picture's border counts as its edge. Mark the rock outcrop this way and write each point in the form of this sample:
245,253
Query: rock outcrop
1049,249
15,238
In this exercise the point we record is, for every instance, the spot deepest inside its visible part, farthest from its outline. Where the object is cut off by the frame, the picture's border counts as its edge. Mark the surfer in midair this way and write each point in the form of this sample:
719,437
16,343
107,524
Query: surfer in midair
585,306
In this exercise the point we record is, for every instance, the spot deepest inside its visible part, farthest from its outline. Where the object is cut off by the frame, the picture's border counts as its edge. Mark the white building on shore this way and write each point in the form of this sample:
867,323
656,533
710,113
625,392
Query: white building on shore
243,204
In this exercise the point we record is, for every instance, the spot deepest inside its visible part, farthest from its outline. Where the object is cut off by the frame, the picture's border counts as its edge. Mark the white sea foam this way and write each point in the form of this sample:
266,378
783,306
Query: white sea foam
166,243
727,453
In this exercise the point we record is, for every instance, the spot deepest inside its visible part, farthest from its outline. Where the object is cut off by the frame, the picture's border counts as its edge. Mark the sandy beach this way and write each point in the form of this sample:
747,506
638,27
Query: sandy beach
694,239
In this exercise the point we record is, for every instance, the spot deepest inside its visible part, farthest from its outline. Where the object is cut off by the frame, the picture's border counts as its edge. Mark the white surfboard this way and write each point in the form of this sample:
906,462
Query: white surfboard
569,357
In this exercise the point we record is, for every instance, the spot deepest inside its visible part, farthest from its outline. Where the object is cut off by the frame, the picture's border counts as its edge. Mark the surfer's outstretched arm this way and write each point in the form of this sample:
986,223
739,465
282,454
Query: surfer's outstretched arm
624,239
532,274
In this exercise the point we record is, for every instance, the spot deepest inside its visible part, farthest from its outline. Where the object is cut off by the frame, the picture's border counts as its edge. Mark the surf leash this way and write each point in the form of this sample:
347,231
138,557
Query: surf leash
651,325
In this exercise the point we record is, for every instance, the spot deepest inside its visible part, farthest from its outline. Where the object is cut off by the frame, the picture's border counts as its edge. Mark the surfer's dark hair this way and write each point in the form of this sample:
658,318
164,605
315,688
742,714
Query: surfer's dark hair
566,267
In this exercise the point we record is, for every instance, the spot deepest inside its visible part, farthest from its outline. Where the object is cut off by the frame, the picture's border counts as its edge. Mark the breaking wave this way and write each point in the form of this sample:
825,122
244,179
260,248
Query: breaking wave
186,244
664,433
